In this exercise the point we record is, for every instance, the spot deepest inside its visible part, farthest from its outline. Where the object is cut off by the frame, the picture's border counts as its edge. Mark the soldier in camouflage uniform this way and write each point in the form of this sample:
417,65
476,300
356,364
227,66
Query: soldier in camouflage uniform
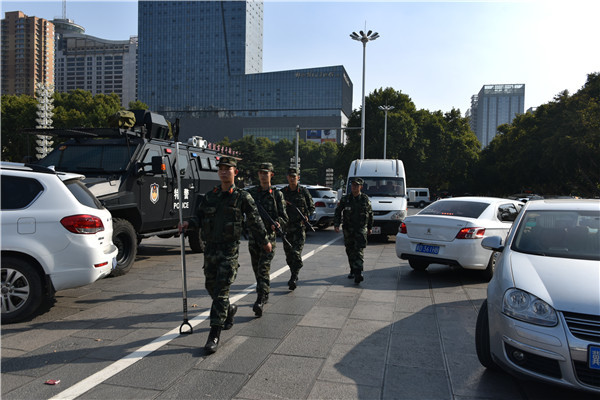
273,204
296,197
220,216
355,209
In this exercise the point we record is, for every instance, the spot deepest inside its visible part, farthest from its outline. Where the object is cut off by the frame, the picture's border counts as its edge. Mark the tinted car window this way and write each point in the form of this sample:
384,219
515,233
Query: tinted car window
469,209
82,194
507,212
322,193
19,192
90,158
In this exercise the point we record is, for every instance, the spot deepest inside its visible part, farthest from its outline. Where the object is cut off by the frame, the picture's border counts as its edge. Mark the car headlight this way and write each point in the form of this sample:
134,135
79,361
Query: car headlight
526,307
399,215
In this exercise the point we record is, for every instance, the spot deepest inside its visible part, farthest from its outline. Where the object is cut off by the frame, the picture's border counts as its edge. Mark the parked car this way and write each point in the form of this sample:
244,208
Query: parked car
418,197
55,235
541,318
449,232
326,200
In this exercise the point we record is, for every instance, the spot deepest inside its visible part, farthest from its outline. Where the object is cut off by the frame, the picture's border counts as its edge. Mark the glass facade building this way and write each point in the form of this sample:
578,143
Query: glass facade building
493,106
201,62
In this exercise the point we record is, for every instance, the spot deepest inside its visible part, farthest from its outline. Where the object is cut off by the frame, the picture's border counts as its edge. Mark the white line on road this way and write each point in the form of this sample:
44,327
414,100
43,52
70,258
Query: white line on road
94,380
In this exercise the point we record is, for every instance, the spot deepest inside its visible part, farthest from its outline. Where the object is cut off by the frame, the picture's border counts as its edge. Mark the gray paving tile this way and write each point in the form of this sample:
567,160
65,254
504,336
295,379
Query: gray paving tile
357,331
270,325
325,317
105,391
363,364
422,323
272,380
291,304
406,382
338,299
239,354
308,342
10,382
335,391
416,351
414,304
201,384
381,311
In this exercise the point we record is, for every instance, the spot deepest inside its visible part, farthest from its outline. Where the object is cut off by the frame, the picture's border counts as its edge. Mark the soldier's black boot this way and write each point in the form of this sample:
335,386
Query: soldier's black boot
351,275
292,282
213,339
358,278
258,305
230,314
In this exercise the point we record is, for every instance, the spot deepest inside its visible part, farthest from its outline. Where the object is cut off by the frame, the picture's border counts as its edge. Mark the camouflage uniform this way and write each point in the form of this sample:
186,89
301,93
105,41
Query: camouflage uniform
221,219
357,217
273,203
302,199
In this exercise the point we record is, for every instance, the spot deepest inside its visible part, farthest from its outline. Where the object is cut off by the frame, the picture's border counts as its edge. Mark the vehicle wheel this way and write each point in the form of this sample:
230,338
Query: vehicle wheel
421,204
195,241
418,265
488,273
125,238
482,338
22,291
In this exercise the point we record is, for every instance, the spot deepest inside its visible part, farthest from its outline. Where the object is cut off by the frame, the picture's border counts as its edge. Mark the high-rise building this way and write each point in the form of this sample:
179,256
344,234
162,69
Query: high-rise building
27,53
493,106
97,65
201,62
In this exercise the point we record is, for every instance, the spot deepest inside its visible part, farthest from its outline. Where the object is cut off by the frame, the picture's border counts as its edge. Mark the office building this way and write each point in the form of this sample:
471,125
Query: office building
97,65
27,53
201,62
493,106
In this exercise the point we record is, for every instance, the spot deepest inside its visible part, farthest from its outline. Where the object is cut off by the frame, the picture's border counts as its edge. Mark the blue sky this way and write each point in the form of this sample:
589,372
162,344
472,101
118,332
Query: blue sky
438,53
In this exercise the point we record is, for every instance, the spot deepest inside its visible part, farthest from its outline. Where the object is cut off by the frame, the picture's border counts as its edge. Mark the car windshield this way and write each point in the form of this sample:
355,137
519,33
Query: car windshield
457,208
322,193
87,159
567,234
381,186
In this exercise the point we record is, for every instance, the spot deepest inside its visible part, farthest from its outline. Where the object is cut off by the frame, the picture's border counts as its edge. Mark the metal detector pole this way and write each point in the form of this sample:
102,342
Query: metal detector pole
182,236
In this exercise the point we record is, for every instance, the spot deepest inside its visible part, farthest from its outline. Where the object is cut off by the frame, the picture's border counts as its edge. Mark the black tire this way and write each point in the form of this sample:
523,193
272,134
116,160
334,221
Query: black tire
482,338
418,265
195,241
125,238
488,272
421,204
22,290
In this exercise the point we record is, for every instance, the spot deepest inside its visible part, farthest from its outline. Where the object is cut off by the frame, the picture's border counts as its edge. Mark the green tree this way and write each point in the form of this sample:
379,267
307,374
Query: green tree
18,113
80,109
137,105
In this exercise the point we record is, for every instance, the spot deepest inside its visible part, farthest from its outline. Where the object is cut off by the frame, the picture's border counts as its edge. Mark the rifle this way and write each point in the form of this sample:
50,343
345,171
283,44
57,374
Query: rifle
304,219
265,215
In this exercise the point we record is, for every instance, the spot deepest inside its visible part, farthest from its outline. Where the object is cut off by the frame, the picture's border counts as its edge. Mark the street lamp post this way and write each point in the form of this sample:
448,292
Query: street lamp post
364,38
385,109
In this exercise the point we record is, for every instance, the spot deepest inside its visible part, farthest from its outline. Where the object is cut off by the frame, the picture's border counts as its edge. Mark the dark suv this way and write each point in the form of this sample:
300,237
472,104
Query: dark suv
132,171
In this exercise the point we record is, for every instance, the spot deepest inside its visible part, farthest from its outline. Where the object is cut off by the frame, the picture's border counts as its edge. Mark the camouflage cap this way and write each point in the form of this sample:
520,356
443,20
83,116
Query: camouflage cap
358,181
267,167
229,161
292,171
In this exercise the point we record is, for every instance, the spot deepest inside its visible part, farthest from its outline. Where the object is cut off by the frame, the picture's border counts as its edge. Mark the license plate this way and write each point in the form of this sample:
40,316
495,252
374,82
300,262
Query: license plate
331,205
594,357
426,248
376,230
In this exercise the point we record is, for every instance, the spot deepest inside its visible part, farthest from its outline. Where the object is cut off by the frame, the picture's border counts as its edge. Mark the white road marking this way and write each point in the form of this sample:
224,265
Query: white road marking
94,380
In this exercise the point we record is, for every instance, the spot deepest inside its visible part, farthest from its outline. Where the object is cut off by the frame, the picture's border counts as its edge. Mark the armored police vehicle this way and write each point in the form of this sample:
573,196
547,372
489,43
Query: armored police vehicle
131,169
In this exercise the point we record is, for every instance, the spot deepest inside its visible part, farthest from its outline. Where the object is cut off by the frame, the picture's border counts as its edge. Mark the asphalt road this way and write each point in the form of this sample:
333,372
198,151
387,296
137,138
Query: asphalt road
398,335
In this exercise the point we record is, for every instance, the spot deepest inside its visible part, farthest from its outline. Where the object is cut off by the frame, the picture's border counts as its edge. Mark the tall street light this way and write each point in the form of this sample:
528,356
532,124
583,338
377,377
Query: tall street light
364,38
385,109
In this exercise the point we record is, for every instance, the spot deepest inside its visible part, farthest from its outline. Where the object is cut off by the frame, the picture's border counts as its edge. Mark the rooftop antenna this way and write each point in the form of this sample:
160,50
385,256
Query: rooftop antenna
64,9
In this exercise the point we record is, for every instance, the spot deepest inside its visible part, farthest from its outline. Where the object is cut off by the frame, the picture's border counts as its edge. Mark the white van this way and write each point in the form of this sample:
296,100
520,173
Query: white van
418,197
385,184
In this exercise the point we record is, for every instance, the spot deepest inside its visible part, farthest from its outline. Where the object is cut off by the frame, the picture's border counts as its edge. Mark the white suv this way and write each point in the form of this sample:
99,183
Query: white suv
55,235
326,201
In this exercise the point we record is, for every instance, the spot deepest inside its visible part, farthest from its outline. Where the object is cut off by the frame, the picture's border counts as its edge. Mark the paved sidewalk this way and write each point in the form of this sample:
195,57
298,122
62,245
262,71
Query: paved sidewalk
400,334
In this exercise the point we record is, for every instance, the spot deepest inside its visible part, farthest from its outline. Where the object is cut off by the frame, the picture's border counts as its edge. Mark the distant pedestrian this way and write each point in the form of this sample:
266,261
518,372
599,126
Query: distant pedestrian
355,214
271,207
221,216
299,205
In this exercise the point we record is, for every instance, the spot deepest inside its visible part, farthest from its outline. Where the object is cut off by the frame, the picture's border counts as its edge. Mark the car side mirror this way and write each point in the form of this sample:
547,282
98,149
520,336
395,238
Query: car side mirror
494,243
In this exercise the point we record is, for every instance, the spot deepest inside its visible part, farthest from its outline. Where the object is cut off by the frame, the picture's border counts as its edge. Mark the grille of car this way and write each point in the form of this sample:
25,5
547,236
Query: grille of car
587,375
584,326
380,212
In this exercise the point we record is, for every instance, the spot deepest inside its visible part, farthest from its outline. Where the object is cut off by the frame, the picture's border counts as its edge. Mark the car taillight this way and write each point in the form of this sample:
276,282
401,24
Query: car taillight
470,233
402,228
320,204
83,224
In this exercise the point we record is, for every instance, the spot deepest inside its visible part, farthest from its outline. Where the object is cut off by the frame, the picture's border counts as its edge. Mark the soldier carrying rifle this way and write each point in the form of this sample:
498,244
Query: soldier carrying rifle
299,206
271,200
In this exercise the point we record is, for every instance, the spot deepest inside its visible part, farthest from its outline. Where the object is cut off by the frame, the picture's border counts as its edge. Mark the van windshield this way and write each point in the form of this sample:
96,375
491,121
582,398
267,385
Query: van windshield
382,186
89,159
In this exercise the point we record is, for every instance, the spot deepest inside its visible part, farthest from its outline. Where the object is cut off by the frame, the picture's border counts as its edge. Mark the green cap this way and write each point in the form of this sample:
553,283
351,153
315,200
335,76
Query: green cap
267,167
358,181
292,171
229,161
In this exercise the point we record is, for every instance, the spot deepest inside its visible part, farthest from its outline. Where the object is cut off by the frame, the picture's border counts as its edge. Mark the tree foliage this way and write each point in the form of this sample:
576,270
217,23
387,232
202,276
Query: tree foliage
18,113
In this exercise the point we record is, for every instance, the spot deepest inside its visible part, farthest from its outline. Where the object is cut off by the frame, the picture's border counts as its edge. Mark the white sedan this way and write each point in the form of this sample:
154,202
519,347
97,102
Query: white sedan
541,318
449,231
